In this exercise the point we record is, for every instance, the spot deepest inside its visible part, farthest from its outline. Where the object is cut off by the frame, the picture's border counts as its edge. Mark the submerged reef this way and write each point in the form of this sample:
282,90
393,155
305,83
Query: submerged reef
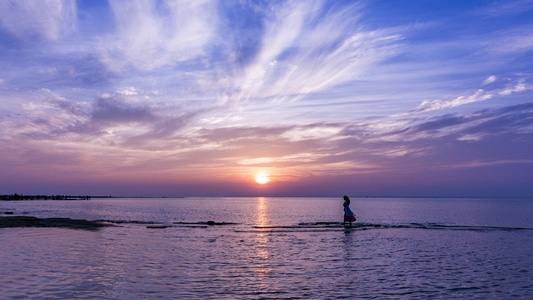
28,221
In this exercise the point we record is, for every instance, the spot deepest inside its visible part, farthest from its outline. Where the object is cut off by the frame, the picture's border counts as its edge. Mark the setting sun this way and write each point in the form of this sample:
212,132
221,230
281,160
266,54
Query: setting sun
262,178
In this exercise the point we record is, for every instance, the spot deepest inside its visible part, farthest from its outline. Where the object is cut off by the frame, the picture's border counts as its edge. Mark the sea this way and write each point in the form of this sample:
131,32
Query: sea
271,248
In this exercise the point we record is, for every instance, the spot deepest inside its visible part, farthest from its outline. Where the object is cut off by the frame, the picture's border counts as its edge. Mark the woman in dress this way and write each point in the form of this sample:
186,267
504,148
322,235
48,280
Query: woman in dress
349,216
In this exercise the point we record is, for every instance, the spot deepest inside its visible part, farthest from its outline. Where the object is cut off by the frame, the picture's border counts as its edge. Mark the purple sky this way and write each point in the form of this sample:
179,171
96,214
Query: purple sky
194,98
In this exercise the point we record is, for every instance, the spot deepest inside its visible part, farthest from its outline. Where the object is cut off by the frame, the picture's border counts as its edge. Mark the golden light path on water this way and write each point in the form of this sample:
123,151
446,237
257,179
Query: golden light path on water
261,243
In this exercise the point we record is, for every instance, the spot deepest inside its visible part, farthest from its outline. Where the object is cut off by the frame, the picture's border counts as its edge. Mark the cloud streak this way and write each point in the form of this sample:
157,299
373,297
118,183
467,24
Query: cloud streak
479,95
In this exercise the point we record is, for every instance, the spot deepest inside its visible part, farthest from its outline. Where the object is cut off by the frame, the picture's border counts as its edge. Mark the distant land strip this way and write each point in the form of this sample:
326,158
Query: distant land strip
15,197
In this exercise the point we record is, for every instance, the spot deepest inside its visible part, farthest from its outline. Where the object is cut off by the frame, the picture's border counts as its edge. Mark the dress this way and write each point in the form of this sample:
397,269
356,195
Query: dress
349,216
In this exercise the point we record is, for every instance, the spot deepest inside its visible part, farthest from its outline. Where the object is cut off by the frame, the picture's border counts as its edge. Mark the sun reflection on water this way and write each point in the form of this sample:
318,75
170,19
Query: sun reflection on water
261,263
262,216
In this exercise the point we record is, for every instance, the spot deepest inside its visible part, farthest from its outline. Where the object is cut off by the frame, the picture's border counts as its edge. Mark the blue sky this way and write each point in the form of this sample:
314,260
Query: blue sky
378,98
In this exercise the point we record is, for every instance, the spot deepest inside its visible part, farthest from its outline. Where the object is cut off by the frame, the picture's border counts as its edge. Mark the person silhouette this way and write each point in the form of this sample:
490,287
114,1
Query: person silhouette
349,215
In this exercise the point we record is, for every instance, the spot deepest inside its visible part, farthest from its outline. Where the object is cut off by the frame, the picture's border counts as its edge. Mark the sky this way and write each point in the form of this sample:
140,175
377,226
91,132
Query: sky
418,98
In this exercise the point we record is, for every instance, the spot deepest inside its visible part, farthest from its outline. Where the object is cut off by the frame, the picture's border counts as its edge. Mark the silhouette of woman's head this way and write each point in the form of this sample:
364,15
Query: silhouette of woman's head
347,199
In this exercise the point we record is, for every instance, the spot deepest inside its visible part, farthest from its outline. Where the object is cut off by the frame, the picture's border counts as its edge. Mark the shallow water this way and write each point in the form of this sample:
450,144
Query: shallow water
399,248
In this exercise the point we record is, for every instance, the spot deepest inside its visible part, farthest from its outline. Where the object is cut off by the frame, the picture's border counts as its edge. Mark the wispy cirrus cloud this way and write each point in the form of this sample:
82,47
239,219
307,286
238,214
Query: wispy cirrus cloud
38,19
304,50
505,8
510,41
150,35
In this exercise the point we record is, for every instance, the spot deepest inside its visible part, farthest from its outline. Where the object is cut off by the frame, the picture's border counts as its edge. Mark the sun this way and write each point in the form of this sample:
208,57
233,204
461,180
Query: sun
262,178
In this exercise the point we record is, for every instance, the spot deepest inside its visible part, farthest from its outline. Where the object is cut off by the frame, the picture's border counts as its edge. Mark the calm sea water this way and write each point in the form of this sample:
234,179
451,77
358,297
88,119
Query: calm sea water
278,248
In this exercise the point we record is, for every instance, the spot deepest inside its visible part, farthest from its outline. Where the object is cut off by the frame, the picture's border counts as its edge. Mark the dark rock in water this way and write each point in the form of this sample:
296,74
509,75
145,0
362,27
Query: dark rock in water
26,221
202,224
157,226
8,212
